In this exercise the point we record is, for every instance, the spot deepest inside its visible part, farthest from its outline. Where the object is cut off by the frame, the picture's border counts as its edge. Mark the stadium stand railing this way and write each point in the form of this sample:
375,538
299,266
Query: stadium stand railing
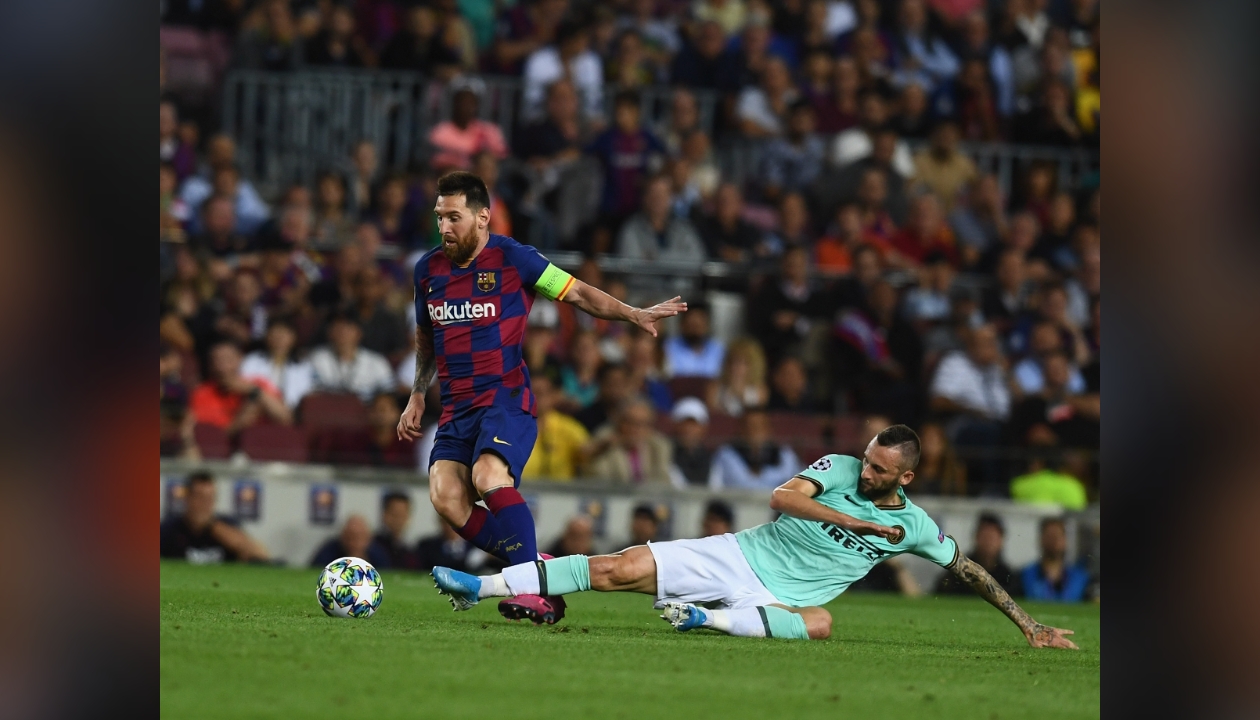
291,126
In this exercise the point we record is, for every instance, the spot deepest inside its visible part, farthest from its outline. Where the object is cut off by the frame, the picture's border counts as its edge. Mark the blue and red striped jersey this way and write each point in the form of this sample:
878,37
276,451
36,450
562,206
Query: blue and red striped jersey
478,315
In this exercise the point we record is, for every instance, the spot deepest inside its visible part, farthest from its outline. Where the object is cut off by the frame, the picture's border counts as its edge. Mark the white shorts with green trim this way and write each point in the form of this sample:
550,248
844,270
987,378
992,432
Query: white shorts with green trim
709,571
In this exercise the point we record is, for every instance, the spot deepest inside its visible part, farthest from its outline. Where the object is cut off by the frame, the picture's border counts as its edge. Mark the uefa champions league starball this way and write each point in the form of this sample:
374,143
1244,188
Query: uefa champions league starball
350,587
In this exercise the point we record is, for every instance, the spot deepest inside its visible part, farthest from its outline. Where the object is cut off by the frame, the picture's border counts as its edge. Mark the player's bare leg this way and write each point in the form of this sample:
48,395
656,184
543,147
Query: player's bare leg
451,491
631,570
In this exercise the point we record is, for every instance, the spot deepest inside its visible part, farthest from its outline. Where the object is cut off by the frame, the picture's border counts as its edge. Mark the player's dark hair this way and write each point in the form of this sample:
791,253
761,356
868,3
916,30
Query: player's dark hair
459,182
197,477
646,511
902,439
988,518
393,495
720,509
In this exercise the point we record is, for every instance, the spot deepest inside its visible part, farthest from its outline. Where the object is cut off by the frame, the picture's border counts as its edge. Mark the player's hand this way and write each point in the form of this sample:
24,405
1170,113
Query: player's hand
646,317
891,534
409,423
1040,636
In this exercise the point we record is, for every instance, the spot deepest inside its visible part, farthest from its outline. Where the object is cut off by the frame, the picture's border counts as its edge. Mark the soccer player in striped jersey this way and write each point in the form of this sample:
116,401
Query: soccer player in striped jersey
473,294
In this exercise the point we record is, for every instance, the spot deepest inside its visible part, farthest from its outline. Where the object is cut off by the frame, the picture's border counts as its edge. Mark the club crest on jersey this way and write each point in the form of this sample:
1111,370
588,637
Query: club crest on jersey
485,281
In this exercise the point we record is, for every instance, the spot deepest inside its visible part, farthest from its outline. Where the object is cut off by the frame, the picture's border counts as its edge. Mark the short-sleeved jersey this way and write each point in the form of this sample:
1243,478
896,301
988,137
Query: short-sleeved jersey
808,563
478,315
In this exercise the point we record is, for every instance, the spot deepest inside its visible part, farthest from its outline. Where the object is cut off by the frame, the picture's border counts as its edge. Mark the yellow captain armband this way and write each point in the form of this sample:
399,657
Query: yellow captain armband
554,283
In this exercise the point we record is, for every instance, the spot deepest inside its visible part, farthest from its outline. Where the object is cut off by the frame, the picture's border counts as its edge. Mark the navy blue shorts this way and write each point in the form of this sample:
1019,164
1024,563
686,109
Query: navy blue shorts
508,432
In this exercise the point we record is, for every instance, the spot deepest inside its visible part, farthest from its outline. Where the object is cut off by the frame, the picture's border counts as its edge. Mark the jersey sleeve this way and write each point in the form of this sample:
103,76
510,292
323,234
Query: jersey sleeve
418,277
931,543
833,472
537,272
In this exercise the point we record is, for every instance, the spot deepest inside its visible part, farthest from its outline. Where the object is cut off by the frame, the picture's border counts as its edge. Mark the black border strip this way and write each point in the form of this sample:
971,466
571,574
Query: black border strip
542,577
765,621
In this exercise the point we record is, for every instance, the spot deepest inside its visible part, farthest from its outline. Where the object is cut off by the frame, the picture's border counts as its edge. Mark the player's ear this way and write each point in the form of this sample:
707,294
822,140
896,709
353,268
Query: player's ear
906,477
483,217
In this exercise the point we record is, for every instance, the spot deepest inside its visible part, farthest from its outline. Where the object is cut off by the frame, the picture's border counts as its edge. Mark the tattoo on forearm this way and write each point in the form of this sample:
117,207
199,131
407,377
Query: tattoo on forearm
970,572
426,363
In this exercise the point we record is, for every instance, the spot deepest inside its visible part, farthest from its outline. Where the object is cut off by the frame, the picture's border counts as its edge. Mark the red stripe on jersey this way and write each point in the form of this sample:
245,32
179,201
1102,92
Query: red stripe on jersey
457,339
461,386
487,362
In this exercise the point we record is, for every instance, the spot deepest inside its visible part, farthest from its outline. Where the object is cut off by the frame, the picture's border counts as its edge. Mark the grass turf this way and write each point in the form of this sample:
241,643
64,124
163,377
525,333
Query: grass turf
252,642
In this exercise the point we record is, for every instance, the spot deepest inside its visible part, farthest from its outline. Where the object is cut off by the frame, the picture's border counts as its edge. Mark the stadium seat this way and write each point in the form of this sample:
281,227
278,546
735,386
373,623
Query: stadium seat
213,442
791,427
320,411
681,387
274,442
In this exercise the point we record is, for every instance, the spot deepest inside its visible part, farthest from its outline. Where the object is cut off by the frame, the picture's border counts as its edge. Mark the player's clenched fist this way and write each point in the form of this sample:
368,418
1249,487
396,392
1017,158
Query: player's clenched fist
409,423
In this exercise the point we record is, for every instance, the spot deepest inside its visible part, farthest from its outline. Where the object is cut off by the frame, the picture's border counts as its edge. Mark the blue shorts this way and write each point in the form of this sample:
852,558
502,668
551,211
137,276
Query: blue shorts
508,432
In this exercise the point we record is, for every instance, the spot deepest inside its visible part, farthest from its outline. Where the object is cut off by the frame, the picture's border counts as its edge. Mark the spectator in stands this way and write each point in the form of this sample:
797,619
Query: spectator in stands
570,56
384,330
692,463
249,209
730,15
694,352
836,109
199,535
420,47
457,140
540,339
1049,482
704,62
786,310
979,219
182,158
644,525
727,235
792,162
855,181
878,355
789,387
1056,414
761,110
645,375
345,366
337,44
628,153
560,450
978,117
1044,341
395,515
231,402
919,53
929,302
794,228
176,424
754,460
941,168
629,450
363,178
269,39
925,234
1051,578
987,552
378,444
1054,244
858,142
913,117
742,381
578,538
974,389
630,66
219,237
334,225
355,540
278,364
393,217
579,378
447,549
719,519
1051,302
939,472
683,120
977,45
655,233
1050,121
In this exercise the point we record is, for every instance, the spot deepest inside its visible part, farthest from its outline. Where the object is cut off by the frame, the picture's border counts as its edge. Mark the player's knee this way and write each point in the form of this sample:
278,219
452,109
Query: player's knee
818,623
449,500
602,568
490,472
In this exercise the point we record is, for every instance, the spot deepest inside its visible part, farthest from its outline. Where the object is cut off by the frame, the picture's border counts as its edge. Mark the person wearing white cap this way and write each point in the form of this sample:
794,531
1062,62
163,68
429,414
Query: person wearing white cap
692,461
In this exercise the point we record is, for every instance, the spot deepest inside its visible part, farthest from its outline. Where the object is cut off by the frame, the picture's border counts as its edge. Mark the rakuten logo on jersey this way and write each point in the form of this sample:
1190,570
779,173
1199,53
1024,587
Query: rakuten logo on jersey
445,313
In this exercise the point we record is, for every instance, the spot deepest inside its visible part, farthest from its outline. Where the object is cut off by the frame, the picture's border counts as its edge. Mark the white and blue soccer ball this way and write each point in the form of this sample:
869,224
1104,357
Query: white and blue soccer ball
350,587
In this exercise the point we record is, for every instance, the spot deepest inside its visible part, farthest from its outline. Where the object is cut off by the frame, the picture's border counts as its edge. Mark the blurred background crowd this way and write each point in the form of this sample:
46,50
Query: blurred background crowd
816,177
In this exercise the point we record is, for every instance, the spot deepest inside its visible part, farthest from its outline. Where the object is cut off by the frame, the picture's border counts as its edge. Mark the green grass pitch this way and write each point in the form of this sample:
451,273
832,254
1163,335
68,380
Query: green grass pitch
252,642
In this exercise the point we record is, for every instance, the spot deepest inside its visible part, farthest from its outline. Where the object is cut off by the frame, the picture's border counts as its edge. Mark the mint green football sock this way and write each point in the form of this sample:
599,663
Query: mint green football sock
783,624
565,575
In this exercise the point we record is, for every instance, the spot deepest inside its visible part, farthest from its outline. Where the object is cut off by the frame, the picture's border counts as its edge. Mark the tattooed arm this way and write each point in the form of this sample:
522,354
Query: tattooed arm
600,304
1038,635
426,368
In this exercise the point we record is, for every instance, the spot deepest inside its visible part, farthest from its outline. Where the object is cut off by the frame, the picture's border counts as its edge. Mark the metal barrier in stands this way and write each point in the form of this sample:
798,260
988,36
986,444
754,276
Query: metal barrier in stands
291,126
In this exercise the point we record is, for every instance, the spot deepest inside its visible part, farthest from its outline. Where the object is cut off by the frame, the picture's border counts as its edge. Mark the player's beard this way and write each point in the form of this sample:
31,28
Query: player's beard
872,491
464,247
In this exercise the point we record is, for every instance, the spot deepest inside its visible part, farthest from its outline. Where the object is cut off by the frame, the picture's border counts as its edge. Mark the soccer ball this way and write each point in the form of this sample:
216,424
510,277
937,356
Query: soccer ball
350,587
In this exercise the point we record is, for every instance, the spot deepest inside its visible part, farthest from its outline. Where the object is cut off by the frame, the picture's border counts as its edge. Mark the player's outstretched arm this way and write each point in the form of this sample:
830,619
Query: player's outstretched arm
1038,635
426,368
596,302
795,498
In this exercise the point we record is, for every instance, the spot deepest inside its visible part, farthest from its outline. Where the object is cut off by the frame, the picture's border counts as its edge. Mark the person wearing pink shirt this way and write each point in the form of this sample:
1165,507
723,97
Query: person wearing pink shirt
456,141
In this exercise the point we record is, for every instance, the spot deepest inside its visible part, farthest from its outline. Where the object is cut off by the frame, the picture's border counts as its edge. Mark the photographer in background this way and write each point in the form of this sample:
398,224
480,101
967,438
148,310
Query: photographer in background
201,536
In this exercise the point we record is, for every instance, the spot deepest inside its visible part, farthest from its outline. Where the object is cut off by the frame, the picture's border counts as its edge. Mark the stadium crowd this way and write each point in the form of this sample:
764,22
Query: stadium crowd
884,276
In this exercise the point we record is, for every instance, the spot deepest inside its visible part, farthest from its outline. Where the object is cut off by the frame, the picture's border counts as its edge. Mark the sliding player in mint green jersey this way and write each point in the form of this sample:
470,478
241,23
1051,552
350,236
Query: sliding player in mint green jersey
839,518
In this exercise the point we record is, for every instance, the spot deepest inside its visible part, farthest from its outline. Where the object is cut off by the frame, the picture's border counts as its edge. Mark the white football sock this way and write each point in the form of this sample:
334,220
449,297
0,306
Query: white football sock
492,586
744,622
520,580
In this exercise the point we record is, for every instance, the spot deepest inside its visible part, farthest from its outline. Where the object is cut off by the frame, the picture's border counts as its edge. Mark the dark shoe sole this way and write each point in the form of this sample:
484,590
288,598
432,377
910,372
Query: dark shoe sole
513,611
